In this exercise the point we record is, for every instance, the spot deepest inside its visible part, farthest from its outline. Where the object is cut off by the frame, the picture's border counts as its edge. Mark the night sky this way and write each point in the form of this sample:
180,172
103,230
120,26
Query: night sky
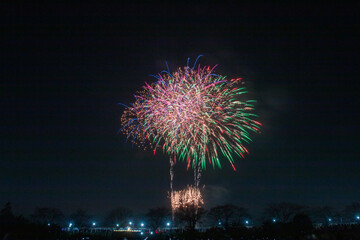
64,69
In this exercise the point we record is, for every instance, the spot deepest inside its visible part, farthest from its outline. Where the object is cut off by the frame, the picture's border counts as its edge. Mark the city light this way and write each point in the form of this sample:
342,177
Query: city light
219,223
274,220
48,224
128,229
329,219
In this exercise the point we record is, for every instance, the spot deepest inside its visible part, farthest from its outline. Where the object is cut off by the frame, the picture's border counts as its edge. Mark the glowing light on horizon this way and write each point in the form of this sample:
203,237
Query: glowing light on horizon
126,230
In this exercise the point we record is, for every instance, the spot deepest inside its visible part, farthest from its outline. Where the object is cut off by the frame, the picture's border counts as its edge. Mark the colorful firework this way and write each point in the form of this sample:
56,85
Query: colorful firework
193,115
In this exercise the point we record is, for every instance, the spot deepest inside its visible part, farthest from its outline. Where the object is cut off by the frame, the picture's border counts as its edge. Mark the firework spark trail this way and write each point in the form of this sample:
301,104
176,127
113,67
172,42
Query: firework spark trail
197,174
171,184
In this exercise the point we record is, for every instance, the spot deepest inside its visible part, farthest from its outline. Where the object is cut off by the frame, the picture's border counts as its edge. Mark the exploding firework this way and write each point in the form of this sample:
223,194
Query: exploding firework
190,196
193,115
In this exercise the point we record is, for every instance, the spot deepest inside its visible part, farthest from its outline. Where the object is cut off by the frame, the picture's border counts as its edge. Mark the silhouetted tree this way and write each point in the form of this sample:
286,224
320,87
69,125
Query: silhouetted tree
223,214
157,217
118,216
282,212
352,211
6,215
80,218
302,225
47,215
241,214
321,214
6,212
17,227
228,215
189,214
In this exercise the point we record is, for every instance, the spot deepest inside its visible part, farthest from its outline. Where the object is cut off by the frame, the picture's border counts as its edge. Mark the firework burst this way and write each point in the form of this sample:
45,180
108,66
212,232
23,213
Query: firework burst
194,115
190,196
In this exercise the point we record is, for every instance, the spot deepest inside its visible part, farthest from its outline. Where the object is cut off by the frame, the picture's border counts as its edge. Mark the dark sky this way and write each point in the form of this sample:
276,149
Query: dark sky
63,69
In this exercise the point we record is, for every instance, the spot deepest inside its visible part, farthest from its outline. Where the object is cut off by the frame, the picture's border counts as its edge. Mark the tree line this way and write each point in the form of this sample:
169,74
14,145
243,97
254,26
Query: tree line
283,220
189,216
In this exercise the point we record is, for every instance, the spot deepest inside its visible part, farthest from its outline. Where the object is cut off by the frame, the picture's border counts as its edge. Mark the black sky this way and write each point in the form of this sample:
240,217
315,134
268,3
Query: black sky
63,69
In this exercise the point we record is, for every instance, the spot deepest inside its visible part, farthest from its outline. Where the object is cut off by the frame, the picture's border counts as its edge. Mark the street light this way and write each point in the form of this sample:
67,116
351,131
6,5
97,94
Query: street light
329,219
167,224
142,224
130,223
49,224
70,225
358,217
94,224
274,220
117,225
246,222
